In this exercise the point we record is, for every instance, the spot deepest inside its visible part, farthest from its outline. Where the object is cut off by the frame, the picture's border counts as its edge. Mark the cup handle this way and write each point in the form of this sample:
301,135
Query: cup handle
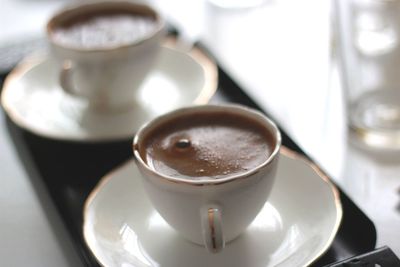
211,222
65,77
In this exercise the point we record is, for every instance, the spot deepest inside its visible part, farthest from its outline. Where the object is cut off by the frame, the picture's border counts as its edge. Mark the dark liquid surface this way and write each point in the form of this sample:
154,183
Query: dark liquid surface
104,30
207,146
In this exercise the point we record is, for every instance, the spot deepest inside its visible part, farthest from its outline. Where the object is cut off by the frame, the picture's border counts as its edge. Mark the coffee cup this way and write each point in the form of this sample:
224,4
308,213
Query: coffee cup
208,170
105,50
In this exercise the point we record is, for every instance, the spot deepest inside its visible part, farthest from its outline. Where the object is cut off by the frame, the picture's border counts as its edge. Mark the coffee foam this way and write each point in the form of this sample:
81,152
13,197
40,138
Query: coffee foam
105,31
222,144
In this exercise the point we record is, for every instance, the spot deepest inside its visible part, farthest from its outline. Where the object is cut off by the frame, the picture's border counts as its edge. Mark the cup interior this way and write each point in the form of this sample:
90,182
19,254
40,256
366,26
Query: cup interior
71,15
244,112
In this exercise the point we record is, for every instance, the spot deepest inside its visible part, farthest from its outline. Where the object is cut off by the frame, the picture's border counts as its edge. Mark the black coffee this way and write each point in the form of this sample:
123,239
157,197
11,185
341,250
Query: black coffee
207,146
104,30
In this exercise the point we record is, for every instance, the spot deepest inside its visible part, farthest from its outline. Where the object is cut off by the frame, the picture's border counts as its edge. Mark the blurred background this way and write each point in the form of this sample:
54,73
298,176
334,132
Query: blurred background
285,55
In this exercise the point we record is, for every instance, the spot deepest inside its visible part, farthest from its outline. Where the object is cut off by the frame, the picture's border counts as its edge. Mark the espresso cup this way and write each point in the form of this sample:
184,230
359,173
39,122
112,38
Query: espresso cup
208,210
105,50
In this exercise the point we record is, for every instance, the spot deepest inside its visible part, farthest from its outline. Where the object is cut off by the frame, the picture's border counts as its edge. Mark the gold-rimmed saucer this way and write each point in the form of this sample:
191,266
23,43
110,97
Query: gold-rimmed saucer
295,227
33,99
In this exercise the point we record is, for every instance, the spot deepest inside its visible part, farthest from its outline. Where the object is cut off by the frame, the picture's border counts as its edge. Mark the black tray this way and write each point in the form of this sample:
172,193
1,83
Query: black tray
68,171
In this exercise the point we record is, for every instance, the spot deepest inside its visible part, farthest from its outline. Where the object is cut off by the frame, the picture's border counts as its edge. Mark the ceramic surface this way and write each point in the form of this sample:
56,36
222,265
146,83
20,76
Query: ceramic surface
210,206
34,100
106,76
295,226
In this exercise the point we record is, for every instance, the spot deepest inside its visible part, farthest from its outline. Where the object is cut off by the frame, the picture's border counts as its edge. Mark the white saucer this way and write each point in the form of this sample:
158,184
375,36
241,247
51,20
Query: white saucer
34,100
296,225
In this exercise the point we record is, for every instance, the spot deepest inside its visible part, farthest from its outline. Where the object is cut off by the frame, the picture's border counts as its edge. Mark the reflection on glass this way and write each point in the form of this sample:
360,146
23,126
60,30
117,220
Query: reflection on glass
374,35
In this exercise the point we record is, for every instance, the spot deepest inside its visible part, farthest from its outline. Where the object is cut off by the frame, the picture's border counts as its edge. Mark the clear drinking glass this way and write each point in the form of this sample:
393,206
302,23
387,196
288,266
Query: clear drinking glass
370,56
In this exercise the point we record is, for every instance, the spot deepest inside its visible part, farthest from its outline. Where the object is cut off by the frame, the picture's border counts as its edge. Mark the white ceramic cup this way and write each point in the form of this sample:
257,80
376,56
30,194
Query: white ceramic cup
210,212
108,76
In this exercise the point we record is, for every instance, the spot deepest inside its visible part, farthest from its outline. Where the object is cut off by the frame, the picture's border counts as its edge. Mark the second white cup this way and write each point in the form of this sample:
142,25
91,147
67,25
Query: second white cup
105,50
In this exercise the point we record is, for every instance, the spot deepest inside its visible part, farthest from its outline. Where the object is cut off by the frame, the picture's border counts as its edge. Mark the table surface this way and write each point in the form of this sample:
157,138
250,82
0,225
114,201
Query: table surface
286,63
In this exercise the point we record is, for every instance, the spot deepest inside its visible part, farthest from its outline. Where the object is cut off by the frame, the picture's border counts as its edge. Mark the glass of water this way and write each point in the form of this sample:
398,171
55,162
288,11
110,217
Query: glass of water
369,36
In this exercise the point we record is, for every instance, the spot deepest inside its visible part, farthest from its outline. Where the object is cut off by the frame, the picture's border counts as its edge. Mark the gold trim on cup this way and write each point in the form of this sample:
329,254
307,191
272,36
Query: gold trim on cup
210,214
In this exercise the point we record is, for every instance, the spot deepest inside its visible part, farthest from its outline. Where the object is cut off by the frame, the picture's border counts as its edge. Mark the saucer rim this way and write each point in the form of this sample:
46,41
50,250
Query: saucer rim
284,151
30,62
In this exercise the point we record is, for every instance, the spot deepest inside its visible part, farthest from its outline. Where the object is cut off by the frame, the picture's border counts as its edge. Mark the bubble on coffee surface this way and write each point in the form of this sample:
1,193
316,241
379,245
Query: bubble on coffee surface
104,31
200,171
183,143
